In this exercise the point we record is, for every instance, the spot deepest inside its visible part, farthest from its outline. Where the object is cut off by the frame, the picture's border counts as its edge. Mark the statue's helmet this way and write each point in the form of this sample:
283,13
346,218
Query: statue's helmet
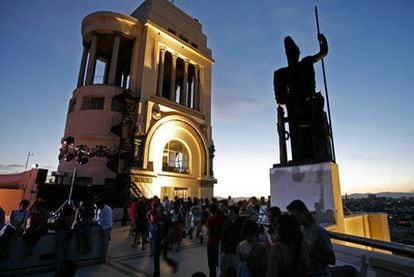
292,50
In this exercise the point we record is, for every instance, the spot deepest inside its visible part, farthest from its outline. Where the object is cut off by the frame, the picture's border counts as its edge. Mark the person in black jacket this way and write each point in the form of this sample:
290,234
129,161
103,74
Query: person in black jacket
162,232
230,238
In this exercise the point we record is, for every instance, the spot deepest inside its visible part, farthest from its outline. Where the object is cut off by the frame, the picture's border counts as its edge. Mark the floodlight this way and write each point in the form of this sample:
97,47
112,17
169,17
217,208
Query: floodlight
69,140
69,156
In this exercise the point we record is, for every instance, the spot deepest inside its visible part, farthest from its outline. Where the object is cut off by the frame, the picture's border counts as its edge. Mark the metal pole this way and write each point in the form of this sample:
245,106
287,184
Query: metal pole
72,181
27,160
326,93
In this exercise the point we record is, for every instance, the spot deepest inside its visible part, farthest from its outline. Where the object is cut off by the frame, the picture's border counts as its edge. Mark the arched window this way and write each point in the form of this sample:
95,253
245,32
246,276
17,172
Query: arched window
175,157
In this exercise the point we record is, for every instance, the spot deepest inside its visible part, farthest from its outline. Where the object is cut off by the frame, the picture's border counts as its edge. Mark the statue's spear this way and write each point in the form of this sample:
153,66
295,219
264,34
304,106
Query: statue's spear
326,93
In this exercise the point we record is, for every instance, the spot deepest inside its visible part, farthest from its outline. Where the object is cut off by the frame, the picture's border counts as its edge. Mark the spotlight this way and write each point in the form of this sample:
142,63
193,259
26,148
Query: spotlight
82,159
69,140
69,156
63,152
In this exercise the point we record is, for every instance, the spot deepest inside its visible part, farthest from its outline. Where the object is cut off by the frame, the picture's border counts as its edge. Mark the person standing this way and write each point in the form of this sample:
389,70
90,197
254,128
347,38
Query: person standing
177,220
289,256
230,238
317,239
271,234
141,224
17,226
18,218
251,253
263,210
83,226
166,203
152,218
162,233
64,232
188,205
132,216
39,216
104,220
196,213
214,226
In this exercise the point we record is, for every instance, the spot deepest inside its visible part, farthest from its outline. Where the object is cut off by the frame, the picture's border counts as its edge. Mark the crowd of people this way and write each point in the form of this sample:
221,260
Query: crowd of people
73,220
247,238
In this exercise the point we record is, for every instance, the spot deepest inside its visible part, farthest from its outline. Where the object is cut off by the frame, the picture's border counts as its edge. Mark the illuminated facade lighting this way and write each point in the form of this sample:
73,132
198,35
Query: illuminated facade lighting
144,90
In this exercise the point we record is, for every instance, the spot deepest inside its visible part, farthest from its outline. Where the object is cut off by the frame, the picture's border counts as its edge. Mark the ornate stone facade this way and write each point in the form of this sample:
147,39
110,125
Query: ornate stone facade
144,90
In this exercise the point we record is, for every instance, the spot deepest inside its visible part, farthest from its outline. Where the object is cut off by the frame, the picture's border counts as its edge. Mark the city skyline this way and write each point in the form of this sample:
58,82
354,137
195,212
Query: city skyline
369,73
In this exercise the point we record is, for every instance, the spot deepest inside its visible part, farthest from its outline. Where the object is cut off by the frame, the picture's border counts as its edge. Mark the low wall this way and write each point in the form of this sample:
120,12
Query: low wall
45,254
370,263
370,225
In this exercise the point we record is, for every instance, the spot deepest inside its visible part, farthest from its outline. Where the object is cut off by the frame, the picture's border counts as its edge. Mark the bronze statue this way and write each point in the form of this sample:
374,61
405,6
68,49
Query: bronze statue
294,87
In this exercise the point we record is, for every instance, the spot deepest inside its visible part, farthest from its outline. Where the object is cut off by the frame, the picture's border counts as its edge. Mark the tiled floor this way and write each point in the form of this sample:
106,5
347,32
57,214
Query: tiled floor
123,260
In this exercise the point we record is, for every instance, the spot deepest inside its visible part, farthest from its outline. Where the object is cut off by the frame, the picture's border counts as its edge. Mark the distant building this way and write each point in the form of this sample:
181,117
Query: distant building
144,93
372,196
18,186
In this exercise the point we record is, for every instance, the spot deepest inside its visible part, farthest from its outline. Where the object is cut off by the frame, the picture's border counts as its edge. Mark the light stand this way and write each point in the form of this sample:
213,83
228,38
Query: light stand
72,182
68,152
82,154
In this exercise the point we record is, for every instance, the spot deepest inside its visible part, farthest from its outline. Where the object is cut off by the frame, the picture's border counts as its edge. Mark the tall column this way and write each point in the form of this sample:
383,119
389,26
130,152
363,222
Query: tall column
82,68
106,74
172,81
183,94
114,59
133,79
125,75
92,61
161,71
190,93
196,103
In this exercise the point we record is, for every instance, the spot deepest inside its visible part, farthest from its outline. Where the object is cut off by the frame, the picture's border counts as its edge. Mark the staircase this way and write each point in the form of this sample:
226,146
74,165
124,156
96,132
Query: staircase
135,190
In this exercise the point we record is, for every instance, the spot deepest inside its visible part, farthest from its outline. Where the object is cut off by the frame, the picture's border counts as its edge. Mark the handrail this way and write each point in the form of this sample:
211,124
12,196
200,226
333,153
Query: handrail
395,247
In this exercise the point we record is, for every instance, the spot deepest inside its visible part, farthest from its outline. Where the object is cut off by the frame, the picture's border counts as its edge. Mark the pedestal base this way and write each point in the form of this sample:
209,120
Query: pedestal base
317,185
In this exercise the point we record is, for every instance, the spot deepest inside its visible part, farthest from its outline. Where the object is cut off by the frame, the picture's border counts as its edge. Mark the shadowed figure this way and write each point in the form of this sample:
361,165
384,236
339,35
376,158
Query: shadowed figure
294,87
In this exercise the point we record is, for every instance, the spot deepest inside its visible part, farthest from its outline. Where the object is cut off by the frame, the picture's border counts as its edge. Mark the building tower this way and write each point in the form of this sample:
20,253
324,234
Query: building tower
144,92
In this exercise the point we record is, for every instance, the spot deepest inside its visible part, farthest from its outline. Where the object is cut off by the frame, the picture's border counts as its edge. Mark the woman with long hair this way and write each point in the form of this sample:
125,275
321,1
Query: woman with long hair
288,257
271,234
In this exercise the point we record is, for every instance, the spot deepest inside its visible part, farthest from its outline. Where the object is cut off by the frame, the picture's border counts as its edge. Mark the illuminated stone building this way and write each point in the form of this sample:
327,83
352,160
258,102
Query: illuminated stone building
144,94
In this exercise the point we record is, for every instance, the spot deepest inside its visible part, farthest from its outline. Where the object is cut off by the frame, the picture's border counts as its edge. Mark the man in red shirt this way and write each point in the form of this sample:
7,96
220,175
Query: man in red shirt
132,216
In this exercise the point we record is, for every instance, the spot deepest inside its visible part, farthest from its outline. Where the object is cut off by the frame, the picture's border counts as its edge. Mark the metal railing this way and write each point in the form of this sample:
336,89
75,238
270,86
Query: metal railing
395,247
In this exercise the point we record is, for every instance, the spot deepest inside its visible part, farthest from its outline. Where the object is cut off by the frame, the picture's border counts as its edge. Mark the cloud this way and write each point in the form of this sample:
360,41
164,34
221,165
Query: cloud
408,135
11,168
17,168
359,156
228,106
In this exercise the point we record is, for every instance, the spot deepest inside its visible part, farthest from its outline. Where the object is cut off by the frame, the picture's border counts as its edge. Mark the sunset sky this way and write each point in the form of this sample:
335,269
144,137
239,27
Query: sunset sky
370,75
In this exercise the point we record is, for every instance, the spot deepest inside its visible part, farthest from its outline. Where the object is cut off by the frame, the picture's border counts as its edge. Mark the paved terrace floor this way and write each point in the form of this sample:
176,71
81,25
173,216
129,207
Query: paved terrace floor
123,260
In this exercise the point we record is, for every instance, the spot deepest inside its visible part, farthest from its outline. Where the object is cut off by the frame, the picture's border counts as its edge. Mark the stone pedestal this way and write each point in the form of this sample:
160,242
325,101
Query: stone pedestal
317,185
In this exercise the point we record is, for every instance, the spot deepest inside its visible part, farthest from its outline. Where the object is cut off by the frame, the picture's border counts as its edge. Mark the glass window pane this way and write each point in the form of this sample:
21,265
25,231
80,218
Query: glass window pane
175,157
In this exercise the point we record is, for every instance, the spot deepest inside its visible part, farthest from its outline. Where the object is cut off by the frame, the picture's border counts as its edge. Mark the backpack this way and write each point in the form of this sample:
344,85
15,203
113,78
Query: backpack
251,264
243,270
